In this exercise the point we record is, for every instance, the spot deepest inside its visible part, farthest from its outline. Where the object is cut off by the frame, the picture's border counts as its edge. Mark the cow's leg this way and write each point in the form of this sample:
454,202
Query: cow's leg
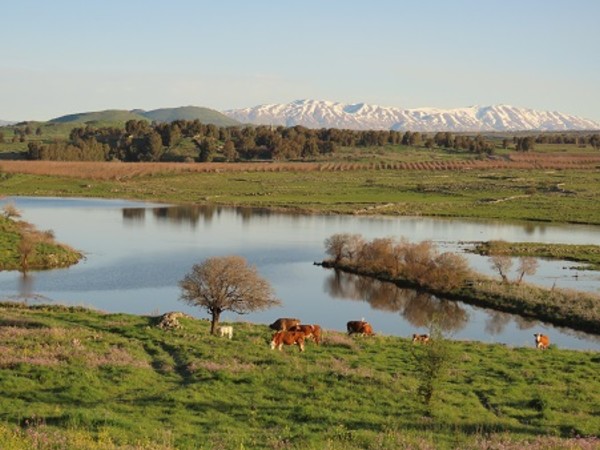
301,345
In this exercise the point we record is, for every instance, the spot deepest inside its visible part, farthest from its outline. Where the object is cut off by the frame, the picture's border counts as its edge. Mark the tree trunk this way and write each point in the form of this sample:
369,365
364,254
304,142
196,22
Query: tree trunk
215,321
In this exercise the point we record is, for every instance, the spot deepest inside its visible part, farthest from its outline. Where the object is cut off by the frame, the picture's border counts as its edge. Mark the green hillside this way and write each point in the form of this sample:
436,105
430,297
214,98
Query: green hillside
204,115
74,378
107,116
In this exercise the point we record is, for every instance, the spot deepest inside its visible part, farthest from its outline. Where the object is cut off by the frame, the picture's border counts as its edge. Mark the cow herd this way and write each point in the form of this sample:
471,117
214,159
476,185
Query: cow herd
289,331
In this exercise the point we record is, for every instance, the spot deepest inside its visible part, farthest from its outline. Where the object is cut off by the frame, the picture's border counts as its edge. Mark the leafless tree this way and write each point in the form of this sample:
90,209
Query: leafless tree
10,211
528,265
343,246
226,284
502,263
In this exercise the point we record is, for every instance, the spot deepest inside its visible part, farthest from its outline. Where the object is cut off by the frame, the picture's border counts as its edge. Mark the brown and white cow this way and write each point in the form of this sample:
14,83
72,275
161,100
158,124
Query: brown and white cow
541,341
283,324
310,332
359,327
422,338
282,338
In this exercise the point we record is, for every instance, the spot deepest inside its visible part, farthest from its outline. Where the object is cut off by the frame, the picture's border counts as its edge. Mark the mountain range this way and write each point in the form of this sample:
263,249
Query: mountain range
358,116
362,116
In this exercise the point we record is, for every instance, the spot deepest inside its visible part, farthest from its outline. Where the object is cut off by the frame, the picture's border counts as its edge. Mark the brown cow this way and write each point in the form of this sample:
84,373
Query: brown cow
541,341
288,338
310,332
284,324
423,338
359,327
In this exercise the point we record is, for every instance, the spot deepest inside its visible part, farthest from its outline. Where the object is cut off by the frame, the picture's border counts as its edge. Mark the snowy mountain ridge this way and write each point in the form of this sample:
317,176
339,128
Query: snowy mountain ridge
362,116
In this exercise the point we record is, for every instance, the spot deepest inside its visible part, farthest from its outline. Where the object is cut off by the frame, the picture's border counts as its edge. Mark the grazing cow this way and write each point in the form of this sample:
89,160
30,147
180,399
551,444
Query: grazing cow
541,341
225,331
284,324
359,327
288,338
423,338
310,332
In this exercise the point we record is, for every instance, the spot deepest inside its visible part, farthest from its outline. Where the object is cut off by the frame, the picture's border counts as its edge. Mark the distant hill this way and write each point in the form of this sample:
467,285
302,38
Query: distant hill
108,116
204,115
4,123
361,116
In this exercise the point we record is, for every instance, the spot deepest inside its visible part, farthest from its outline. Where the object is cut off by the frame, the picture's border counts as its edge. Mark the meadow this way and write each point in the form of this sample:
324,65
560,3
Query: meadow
547,189
77,378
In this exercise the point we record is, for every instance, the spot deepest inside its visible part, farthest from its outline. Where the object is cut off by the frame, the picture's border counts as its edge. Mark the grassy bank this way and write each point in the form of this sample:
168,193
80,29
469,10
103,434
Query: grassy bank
560,307
74,378
469,189
587,255
22,247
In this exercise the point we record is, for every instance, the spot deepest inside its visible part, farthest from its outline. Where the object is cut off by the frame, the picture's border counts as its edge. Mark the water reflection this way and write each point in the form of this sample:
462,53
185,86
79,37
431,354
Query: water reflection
418,308
497,321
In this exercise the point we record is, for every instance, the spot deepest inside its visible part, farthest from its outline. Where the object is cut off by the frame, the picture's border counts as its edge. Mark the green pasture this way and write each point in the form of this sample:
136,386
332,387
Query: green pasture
563,196
75,378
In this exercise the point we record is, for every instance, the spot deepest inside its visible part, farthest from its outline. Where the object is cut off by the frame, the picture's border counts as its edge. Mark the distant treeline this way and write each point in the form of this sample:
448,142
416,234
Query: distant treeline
144,141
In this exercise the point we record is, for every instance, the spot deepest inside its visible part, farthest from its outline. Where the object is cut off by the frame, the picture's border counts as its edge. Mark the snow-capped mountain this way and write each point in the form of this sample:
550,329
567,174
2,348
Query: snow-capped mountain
361,116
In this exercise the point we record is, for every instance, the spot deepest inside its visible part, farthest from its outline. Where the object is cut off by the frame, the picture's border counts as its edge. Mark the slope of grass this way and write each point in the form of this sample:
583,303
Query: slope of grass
83,379
46,253
107,116
204,115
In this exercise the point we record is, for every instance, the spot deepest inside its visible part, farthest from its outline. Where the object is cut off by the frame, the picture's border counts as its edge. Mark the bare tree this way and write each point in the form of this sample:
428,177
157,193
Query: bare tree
343,246
27,249
528,265
501,263
10,211
226,284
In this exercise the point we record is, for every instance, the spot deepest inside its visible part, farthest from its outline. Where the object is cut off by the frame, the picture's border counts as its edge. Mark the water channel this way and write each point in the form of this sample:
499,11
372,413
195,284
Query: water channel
137,252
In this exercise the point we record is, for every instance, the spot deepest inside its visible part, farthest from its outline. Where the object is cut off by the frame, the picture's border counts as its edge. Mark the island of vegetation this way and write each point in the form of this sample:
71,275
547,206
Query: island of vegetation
447,275
24,248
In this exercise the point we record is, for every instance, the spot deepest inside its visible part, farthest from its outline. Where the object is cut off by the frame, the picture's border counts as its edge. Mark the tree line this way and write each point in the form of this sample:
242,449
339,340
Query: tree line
145,141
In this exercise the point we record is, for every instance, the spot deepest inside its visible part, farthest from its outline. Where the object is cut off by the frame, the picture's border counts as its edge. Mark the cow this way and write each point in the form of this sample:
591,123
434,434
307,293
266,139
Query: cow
284,324
359,327
225,331
541,341
423,338
310,332
288,338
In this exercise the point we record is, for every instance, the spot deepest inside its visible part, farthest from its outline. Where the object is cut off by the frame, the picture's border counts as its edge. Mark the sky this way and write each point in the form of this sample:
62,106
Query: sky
66,56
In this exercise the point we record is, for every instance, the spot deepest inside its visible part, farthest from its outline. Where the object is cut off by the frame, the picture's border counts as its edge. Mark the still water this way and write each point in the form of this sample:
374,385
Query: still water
137,252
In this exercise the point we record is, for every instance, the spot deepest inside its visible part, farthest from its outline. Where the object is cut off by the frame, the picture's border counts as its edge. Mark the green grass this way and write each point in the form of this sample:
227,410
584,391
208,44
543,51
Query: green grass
90,380
589,255
46,254
504,194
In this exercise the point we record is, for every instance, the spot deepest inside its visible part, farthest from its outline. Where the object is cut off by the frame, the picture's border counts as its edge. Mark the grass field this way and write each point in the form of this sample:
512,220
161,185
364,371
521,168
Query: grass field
542,190
74,378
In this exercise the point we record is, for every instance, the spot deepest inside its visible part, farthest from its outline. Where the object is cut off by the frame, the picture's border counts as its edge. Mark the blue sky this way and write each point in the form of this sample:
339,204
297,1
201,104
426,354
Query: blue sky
66,56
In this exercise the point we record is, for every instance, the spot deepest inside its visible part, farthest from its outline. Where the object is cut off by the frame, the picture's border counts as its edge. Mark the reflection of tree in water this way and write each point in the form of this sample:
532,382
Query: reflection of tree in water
134,214
419,308
497,321
187,214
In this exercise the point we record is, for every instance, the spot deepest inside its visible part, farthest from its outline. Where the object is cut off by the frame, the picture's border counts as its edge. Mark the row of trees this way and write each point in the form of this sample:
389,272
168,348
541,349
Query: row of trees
143,141
420,263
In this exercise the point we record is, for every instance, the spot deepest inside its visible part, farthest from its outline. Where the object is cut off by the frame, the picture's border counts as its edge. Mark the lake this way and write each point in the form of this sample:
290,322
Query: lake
136,253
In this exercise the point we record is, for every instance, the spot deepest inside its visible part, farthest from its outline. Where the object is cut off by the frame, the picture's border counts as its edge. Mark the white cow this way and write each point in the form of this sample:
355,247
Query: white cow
225,331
